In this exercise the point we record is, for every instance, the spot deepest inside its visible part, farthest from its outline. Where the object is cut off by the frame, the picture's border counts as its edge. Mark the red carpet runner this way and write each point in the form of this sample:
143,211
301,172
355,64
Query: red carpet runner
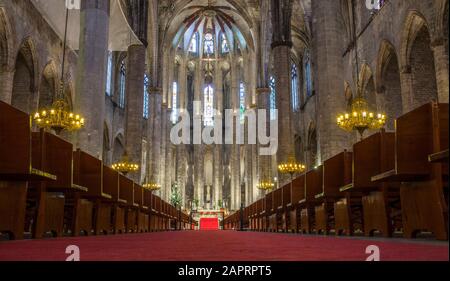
227,245
209,224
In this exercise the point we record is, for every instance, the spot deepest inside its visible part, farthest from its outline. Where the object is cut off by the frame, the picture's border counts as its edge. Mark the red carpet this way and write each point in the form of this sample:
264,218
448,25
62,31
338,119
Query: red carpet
209,224
220,246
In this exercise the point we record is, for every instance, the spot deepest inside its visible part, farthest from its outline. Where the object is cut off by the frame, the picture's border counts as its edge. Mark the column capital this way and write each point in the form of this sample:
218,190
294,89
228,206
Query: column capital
406,69
276,44
437,42
155,90
262,91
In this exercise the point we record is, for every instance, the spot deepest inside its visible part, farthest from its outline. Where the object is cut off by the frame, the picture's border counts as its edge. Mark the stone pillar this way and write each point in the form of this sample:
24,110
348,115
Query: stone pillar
90,86
6,85
282,71
406,88
264,161
155,131
169,165
441,66
134,109
328,79
163,157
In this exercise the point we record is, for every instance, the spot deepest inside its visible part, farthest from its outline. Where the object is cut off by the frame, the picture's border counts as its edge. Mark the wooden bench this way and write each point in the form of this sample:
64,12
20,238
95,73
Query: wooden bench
147,207
88,172
119,204
365,205
297,195
278,209
16,169
270,213
423,185
126,188
313,186
336,172
142,212
52,155
287,205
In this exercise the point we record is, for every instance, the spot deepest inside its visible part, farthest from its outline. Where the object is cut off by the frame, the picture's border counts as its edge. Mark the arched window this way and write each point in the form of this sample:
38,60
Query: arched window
146,96
224,47
308,77
174,102
294,87
209,44
242,101
122,83
273,102
208,113
193,47
109,74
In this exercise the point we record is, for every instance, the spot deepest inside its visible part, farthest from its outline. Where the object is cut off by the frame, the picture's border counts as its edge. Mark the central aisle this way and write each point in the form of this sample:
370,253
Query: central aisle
219,246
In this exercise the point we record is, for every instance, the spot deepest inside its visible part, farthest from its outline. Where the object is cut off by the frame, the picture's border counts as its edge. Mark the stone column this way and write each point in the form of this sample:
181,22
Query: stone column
163,157
282,53
155,131
169,165
6,85
134,109
327,69
441,66
406,88
264,161
90,86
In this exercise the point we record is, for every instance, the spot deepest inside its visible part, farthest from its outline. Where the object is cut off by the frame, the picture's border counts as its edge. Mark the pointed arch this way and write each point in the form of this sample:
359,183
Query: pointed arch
417,60
48,86
367,85
25,78
6,42
389,85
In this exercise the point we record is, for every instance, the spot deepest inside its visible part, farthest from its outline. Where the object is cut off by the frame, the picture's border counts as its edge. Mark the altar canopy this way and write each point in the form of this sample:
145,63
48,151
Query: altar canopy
121,34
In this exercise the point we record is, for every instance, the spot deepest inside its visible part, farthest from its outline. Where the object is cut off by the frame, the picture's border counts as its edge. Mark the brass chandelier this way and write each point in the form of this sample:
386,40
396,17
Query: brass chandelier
59,117
151,185
266,185
291,166
124,166
360,118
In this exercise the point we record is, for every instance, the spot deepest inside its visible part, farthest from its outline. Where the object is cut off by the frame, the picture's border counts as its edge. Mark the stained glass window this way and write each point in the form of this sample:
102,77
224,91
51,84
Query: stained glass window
209,44
308,77
108,74
224,44
146,96
208,114
294,87
193,47
242,101
174,102
273,102
122,84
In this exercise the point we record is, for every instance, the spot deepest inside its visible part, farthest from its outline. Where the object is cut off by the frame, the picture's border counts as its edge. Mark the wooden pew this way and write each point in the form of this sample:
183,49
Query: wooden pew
287,204
52,155
297,195
423,185
278,209
142,211
366,205
270,213
119,204
147,207
154,215
126,188
16,170
88,172
336,172
313,186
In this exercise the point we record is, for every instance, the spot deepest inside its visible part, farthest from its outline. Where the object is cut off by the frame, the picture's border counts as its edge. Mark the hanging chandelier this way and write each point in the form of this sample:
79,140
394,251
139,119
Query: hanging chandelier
124,166
360,118
265,185
291,166
151,185
59,117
